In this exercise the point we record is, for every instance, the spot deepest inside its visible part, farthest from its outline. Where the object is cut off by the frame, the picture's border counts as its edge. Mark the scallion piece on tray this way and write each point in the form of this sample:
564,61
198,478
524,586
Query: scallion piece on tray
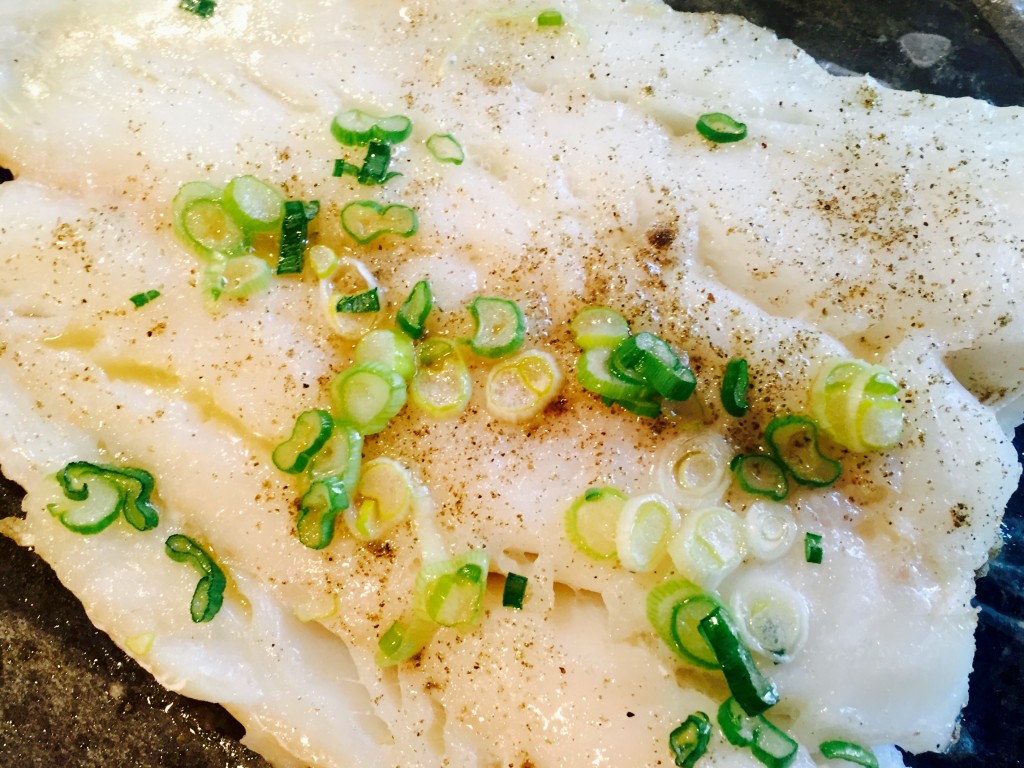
550,18
857,404
318,511
515,591
390,348
445,148
592,519
208,229
367,396
599,327
760,474
645,525
354,127
793,442
754,692
404,639
593,372
720,128
521,386
499,326
812,548
658,365
451,592
127,490
311,430
359,303
238,277
675,609
735,382
689,741
441,386
848,751
341,456
412,315
202,8
770,745
209,593
385,496
254,204
365,220
144,297
294,235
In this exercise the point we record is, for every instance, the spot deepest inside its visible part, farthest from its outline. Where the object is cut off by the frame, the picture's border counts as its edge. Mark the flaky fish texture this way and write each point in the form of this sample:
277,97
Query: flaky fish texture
852,221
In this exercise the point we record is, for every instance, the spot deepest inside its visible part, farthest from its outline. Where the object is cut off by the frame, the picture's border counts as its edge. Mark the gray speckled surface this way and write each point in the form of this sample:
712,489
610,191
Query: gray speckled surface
69,697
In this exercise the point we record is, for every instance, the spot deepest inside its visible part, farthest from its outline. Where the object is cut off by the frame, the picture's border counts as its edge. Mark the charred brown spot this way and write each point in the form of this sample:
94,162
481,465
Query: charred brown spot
662,236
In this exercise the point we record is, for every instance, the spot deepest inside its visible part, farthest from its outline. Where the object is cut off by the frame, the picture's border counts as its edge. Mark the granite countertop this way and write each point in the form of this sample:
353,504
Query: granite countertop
69,696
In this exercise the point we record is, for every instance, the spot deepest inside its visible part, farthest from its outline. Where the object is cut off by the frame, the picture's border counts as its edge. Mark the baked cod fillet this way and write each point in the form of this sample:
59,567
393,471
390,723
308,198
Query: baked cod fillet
852,221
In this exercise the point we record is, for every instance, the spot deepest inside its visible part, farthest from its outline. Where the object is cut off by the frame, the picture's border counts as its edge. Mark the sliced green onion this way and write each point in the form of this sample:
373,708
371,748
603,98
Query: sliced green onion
760,474
103,501
344,168
451,592
207,227
238,277
599,327
753,691
675,609
690,740
412,315
311,430
202,8
323,259
359,303
693,469
340,456
404,639
594,374
318,511
499,326
348,274
641,536
367,395
770,745
857,405
735,382
445,148
390,348
441,385
771,616
660,367
812,548
354,127
143,298
720,128
515,591
294,235
709,546
793,441
549,18
848,751
592,519
385,491
254,204
366,220
209,593
649,409
520,387
375,166
135,486
770,530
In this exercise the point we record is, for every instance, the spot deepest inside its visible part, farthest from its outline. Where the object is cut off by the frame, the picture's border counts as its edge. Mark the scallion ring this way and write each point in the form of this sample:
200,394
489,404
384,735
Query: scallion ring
760,474
384,497
365,220
709,545
254,204
318,511
311,430
675,609
592,519
752,690
693,469
451,592
412,315
499,326
689,741
599,327
793,442
445,148
367,395
644,527
388,347
209,592
441,385
720,128
771,616
735,382
354,127
770,529
848,751
520,387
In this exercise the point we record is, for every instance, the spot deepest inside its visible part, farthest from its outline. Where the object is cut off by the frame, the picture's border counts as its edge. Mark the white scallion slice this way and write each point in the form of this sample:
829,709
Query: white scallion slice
384,497
591,522
350,276
367,396
520,387
693,470
857,404
404,639
770,529
445,148
388,347
441,385
599,327
772,616
243,276
709,545
341,456
451,592
645,525
323,259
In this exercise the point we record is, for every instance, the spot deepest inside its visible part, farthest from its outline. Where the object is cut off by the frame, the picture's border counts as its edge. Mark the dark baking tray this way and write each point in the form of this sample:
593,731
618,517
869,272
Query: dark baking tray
69,696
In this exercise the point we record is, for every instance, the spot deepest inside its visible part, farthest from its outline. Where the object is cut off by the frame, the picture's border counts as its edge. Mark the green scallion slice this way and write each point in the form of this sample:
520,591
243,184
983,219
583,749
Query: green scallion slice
515,591
134,487
754,692
209,593
451,592
591,522
793,442
445,148
690,740
813,550
102,502
318,511
359,303
385,491
499,326
412,315
599,327
367,396
365,220
341,456
650,409
404,639
720,128
312,429
734,387
770,745
294,235
254,204
137,485
675,609
375,166
143,298
201,8
660,367
760,474
594,373
390,348
354,127
206,226
239,276
441,385
848,751
857,404
550,18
